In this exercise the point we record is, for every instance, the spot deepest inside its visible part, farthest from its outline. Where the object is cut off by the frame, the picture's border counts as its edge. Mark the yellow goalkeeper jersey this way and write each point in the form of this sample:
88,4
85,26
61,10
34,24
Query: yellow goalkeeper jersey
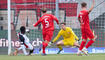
67,34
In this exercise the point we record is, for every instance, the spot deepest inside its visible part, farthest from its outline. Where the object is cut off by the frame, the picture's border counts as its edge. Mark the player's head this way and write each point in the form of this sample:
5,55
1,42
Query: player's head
22,29
63,25
83,4
44,10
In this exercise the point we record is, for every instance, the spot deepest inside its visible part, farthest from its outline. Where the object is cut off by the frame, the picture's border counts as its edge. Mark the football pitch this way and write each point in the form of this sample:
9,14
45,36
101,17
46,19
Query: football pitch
54,57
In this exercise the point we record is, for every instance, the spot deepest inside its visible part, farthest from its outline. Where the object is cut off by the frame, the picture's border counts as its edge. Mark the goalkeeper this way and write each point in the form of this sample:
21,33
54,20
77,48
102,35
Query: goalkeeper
69,37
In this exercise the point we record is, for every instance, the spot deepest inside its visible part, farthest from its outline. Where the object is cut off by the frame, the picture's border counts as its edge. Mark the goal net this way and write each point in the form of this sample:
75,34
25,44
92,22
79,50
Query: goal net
27,12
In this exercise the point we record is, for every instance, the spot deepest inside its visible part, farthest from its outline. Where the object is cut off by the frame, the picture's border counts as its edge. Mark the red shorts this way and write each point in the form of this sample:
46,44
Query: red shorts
87,33
47,35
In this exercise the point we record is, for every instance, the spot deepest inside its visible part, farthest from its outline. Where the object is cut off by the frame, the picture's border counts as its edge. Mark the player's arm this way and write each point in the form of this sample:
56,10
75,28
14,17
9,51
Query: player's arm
21,39
57,37
74,34
80,19
38,22
55,18
92,6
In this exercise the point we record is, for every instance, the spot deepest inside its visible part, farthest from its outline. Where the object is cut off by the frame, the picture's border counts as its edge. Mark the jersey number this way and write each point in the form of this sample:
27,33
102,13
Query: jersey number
46,23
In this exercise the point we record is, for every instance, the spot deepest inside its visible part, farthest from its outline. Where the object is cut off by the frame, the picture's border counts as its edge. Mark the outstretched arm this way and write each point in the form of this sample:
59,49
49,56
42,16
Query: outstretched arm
92,6
57,37
38,22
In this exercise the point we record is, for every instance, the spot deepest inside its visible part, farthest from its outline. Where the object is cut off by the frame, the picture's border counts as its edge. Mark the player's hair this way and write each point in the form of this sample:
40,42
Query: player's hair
63,23
83,4
44,10
22,29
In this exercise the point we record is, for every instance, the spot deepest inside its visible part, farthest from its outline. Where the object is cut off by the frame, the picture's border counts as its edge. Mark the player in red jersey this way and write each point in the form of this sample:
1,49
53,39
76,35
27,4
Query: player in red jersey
47,21
85,27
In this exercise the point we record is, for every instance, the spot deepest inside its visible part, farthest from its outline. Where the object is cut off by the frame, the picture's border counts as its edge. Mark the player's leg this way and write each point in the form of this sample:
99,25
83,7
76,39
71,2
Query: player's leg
17,50
92,38
31,51
82,44
59,45
41,45
24,50
81,47
30,47
76,44
84,40
79,51
47,38
45,44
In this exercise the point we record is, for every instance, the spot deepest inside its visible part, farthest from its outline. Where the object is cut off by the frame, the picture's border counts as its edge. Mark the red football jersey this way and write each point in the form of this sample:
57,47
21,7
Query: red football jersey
84,18
47,21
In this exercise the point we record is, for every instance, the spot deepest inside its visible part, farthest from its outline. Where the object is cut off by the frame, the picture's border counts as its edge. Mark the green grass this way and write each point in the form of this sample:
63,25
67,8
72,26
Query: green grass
54,57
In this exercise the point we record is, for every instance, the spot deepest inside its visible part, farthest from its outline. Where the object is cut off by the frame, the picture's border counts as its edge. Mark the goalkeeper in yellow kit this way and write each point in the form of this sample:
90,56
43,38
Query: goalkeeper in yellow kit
69,37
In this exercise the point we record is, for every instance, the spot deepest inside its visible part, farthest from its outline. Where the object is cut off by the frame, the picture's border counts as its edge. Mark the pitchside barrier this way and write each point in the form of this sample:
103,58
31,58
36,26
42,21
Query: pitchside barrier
51,49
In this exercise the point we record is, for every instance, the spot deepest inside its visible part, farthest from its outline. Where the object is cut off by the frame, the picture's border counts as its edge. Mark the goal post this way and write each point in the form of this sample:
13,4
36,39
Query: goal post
9,26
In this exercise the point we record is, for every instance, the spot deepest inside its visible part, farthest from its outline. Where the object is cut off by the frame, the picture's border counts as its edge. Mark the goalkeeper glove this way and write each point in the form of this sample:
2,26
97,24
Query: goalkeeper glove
50,43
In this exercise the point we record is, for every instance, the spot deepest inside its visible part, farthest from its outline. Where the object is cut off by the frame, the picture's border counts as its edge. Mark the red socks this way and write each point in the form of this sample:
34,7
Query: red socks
44,46
82,45
89,43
